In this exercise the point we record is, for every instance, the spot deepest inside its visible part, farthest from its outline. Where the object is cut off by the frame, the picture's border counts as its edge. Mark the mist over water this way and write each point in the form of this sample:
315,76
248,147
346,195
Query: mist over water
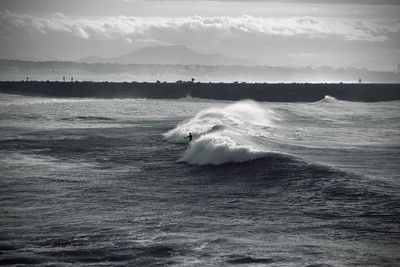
111,182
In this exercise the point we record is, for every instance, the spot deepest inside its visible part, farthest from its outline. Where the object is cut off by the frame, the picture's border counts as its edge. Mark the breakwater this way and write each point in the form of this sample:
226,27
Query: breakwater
274,92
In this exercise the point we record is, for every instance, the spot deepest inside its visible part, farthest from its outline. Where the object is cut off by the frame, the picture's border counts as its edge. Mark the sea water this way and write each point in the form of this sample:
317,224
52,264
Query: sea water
115,182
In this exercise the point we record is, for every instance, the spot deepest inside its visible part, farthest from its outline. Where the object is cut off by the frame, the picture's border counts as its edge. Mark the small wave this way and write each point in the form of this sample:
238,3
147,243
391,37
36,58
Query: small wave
224,135
327,99
187,97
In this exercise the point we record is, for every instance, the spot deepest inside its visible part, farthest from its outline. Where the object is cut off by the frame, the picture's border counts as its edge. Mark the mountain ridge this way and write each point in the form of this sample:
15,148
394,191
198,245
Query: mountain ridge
169,55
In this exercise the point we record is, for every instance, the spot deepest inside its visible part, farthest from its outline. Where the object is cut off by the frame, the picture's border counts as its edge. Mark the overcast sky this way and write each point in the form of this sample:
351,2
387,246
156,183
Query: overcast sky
361,33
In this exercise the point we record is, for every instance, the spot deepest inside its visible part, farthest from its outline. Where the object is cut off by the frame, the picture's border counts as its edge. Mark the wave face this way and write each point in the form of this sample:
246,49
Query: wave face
223,135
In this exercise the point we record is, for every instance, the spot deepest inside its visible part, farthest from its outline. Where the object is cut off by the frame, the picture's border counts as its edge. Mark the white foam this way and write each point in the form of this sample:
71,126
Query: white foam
223,135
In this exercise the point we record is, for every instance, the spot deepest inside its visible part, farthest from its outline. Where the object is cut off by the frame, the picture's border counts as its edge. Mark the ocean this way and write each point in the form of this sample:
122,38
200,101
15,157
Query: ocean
115,182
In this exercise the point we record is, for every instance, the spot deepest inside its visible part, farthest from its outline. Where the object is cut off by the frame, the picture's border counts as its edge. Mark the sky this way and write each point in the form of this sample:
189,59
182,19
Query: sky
337,33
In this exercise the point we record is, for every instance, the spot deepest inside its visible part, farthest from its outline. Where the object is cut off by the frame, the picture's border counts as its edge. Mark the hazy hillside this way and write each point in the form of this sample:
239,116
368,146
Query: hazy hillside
174,54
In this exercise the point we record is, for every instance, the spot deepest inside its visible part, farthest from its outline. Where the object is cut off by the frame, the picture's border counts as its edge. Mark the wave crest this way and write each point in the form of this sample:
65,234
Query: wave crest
224,135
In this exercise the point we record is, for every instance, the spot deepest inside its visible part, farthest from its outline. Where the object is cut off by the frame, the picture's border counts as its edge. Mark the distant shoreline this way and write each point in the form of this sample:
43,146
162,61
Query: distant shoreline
270,92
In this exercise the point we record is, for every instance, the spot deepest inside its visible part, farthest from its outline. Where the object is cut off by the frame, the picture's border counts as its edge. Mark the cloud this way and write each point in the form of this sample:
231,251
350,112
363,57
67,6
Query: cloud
178,28
341,2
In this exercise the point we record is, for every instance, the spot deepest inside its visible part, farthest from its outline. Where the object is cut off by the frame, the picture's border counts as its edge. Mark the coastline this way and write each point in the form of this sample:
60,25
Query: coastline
270,92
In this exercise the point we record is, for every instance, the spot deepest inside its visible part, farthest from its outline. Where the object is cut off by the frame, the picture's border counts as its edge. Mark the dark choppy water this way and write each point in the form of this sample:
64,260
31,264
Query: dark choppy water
110,182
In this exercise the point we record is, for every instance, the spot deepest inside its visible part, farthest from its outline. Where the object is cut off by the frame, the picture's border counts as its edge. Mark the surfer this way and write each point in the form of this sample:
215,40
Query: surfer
190,136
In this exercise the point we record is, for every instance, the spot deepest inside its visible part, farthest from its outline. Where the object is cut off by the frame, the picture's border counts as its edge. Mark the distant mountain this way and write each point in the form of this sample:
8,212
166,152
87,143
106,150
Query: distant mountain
171,55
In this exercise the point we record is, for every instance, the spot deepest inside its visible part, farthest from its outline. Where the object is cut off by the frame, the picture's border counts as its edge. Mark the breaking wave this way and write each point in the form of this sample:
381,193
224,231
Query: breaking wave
224,135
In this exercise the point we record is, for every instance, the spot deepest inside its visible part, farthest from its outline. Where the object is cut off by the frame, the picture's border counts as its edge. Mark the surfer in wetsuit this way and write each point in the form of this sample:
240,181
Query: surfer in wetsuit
190,136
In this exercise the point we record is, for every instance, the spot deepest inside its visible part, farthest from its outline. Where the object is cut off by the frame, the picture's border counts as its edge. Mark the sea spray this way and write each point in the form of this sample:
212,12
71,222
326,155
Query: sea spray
223,135
220,148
